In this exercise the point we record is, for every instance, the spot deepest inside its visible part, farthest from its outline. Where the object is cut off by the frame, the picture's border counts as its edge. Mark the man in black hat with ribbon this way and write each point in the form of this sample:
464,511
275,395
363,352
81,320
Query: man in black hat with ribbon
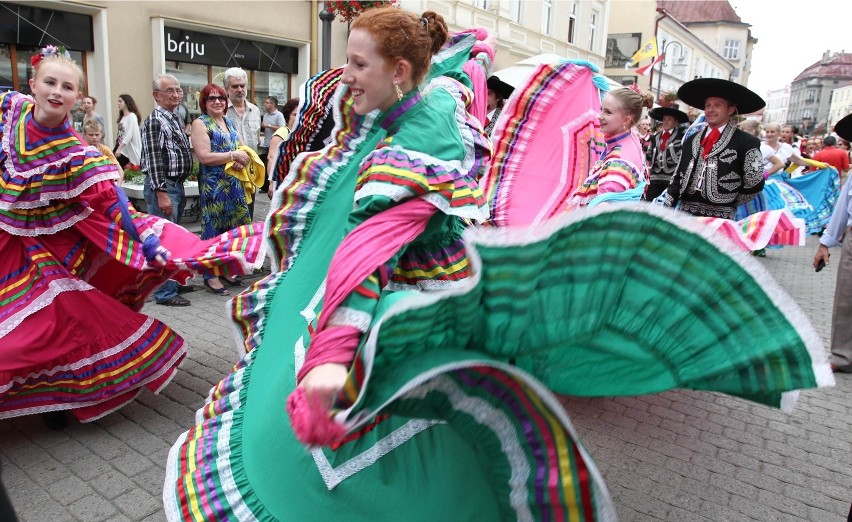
838,229
498,92
721,167
665,149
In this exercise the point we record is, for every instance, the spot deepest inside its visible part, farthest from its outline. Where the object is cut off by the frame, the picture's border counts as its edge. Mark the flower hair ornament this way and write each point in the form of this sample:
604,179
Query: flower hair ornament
635,88
50,50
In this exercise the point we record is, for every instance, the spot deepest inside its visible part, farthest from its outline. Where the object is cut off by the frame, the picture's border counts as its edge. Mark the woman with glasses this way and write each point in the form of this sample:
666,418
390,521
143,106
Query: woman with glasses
223,199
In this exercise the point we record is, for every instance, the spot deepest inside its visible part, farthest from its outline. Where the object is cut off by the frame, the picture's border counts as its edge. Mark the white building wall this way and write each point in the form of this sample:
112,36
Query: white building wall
517,24
777,103
841,104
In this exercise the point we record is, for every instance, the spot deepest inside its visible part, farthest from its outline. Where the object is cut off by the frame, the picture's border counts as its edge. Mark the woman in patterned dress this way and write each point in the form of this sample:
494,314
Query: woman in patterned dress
78,263
224,202
621,167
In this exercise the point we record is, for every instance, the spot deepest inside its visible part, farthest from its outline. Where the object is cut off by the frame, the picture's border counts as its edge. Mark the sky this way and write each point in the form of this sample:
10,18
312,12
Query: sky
791,36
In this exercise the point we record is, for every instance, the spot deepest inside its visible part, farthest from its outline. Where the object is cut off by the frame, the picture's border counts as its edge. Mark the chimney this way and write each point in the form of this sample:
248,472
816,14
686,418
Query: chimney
826,55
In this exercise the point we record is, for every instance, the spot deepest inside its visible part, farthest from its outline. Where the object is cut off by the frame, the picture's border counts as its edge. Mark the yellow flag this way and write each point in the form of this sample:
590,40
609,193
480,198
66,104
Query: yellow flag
649,50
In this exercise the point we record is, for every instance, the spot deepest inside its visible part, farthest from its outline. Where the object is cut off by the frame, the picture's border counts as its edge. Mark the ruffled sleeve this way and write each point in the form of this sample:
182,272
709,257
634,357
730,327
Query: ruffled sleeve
441,164
44,170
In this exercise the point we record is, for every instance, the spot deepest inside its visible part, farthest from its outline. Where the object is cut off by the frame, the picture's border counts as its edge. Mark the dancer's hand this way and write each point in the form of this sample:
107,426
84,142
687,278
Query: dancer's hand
162,256
324,382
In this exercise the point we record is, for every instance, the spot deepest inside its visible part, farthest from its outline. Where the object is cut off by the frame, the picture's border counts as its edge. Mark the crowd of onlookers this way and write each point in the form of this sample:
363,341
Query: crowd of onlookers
228,145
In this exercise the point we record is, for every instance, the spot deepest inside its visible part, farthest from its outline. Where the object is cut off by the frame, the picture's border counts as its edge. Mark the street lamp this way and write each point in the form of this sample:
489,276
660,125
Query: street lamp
327,17
678,65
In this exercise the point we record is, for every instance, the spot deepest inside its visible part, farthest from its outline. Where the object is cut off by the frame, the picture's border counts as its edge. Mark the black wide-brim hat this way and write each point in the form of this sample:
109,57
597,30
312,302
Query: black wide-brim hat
501,88
658,112
696,92
843,128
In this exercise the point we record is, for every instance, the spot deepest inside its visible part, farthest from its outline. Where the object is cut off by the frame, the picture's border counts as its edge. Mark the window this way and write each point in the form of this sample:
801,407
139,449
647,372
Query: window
546,14
572,22
592,25
483,4
194,76
271,84
515,10
16,69
732,50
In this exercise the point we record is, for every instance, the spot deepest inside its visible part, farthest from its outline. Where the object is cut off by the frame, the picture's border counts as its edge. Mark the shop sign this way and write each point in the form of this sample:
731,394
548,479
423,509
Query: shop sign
182,45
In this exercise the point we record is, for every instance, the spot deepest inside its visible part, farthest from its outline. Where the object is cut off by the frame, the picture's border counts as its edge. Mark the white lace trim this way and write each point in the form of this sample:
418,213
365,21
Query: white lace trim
54,288
46,231
427,284
88,361
46,199
101,259
296,226
511,442
333,476
345,316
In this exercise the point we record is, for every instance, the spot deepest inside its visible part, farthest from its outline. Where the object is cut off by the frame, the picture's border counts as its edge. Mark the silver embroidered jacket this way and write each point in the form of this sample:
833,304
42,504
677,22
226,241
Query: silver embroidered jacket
663,162
732,174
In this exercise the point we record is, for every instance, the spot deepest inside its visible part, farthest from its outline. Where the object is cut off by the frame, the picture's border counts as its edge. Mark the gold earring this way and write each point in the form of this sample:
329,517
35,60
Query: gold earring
399,94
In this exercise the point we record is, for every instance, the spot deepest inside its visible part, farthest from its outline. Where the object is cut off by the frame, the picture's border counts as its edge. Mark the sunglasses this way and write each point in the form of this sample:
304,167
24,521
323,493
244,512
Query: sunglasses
211,99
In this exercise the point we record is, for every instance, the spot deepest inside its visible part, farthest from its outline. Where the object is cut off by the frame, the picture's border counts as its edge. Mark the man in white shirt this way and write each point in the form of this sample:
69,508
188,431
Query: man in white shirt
271,121
245,114
839,233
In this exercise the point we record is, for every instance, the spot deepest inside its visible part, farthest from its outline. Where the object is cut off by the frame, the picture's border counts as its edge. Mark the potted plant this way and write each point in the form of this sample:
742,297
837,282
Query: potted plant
133,174
347,10
134,180
667,98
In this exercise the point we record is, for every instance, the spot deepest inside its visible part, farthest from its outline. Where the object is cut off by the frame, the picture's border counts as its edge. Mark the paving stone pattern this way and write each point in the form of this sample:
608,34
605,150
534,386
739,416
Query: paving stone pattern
677,456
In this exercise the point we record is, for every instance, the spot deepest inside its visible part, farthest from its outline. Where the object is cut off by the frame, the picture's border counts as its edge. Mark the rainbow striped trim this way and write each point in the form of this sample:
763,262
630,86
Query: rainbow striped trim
394,171
43,166
523,127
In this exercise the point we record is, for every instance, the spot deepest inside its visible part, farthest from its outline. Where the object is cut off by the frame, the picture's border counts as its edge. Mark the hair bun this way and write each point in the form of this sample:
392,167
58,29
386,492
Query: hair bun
647,99
437,29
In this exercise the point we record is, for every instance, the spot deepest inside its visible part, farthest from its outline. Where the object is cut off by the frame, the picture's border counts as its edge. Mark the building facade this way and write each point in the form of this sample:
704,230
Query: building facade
687,57
122,45
569,28
777,103
841,104
718,25
634,23
810,91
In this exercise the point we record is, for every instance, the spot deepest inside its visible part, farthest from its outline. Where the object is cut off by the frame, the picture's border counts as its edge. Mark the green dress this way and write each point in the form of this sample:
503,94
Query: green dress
452,416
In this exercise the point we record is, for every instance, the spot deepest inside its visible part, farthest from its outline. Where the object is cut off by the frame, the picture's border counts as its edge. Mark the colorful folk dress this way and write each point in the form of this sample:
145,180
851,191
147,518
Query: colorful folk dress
73,275
448,410
621,169
223,198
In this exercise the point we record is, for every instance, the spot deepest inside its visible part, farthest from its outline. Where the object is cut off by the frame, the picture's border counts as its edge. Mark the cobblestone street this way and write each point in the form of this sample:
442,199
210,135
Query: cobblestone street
678,456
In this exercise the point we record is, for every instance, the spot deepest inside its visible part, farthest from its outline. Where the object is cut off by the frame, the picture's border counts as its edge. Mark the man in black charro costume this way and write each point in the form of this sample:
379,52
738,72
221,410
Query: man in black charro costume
498,92
720,167
665,149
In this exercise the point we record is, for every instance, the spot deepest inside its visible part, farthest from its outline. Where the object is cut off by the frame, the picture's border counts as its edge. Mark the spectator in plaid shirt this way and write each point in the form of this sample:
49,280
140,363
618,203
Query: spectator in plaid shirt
166,162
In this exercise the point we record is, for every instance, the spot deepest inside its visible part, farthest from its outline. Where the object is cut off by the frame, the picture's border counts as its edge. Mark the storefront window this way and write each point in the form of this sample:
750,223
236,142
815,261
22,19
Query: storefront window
271,84
268,66
7,82
25,29
192,78
20,82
